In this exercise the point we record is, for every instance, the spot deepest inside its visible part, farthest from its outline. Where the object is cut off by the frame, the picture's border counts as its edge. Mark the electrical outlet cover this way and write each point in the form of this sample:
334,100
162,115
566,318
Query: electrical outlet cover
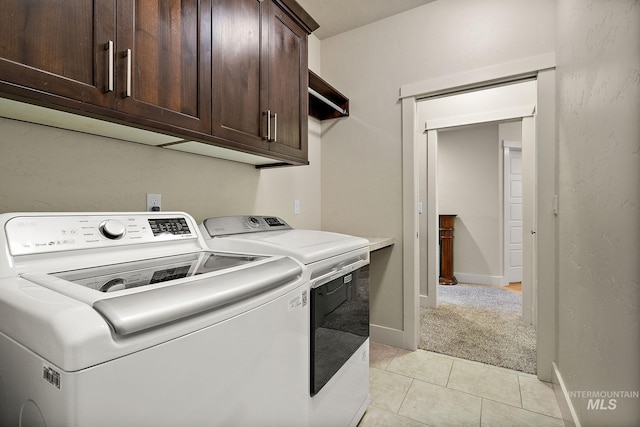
154,202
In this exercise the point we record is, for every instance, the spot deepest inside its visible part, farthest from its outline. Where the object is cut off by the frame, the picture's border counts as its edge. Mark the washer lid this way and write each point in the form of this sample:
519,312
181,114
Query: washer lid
307,246
140,295
140,311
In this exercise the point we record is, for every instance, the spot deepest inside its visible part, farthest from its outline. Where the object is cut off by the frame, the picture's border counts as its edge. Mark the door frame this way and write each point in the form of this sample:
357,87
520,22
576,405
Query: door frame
543,68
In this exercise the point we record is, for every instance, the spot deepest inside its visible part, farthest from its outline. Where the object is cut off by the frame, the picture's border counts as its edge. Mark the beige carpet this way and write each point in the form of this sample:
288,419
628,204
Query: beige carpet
481,323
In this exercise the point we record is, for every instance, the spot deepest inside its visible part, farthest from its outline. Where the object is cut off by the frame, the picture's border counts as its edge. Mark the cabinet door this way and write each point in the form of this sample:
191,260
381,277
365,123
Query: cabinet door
58,47
163,56
238,81
287,84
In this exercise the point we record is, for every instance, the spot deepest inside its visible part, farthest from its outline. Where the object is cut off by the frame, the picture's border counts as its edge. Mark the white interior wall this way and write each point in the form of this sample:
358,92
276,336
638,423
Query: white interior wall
468,186
598,57
362,154
510,131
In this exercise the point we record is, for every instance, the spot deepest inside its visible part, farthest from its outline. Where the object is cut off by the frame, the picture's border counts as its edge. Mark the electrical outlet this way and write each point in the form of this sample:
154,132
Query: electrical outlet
154,202
296,207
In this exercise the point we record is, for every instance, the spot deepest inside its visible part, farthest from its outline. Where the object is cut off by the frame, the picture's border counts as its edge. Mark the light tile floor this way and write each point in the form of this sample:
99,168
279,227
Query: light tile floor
421,388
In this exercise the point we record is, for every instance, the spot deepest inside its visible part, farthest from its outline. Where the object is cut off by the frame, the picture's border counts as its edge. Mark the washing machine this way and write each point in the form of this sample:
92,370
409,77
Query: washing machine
339,303
129,319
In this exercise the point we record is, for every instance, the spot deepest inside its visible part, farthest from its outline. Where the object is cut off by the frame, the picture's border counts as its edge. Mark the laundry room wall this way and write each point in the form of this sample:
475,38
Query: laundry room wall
469,186
362,154
598,92
49,169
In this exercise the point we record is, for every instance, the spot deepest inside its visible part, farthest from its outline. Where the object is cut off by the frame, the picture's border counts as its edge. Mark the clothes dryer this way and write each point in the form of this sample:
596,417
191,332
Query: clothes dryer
339,299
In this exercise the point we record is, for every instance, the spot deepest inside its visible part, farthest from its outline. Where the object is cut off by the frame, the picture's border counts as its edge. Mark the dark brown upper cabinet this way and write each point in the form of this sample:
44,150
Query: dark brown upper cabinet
260,76
59,48
238,51
230,73
164,61
149,59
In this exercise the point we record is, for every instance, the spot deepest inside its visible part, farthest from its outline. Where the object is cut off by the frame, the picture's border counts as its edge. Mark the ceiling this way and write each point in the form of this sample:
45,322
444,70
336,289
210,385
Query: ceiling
338,16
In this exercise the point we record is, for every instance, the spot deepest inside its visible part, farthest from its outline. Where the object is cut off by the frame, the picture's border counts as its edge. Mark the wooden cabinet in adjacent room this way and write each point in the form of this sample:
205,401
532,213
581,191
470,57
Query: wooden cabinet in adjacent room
260,75
447,229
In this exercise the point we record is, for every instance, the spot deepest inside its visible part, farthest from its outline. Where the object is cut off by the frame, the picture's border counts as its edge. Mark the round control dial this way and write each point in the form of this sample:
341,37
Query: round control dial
112,229
113,285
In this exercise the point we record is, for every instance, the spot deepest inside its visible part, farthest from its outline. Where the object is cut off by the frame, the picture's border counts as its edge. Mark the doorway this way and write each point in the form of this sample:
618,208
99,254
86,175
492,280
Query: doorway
543,69
506,102
483,321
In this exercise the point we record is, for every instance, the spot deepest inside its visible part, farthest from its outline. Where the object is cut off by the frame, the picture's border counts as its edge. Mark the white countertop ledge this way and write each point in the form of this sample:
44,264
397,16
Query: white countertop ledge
376,243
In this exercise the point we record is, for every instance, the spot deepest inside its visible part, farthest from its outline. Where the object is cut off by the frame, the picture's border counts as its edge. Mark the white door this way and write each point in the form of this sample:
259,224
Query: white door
513,212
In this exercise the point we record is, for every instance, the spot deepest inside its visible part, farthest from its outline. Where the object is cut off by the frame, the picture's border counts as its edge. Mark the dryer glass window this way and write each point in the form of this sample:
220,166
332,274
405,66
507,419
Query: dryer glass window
339,324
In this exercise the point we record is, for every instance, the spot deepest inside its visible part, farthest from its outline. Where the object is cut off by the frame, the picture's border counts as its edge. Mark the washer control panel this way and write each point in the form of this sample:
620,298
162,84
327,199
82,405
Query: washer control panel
53,233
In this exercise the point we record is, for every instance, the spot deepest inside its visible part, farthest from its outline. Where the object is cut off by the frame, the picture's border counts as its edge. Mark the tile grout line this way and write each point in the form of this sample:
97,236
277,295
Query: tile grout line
531,411
413,380
520,392
449,376
408,388
405,397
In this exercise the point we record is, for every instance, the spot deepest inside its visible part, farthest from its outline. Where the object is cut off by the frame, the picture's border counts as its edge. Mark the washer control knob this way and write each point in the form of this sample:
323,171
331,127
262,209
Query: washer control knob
112,229
254,222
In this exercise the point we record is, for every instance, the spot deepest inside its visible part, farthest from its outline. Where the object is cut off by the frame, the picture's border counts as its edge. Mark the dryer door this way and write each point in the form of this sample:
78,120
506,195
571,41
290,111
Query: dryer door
339,324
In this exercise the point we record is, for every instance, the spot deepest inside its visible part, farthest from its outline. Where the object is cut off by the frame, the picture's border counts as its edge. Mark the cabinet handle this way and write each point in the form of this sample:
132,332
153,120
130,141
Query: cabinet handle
275,128
268,114
109,83
127,92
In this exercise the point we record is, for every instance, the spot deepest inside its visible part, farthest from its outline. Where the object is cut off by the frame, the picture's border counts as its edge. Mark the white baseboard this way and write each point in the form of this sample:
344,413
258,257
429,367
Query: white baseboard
564,401
480,279
387,336
427,302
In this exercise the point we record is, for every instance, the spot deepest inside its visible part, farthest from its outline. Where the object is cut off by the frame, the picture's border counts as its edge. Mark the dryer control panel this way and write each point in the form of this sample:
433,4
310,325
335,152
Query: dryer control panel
32,234
227,225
